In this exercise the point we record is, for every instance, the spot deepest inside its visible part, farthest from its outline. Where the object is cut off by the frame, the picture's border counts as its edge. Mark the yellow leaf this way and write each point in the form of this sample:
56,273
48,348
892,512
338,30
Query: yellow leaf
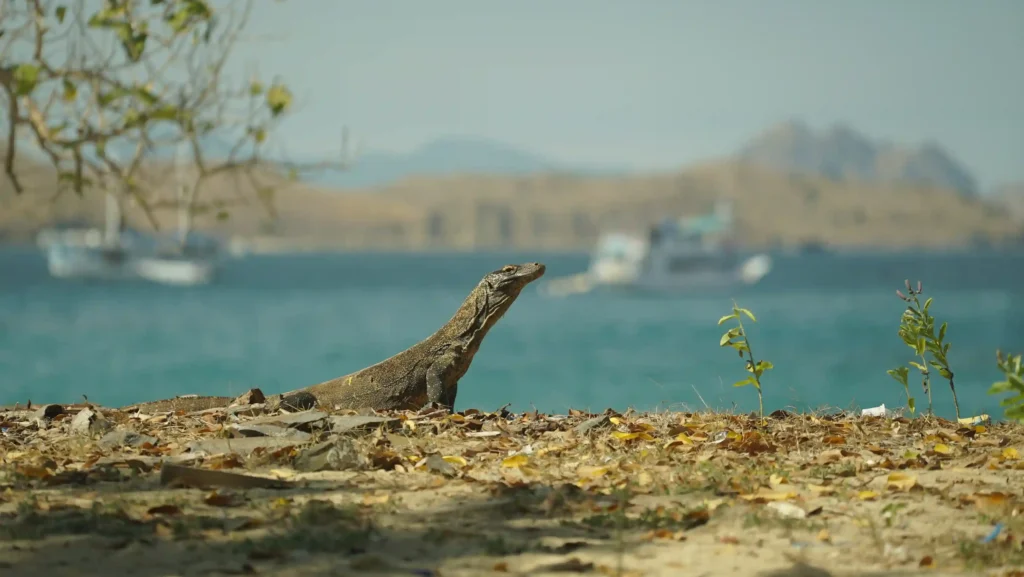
515,461
615,421
455,460
456,418
1011,454
529,471
867,495
942,449
588,472
632,436
684,438
900,481
770,496
711,504
777,480
380,499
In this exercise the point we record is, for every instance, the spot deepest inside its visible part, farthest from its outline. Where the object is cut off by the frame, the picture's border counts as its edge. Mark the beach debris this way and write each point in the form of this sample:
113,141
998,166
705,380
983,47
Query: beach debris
89,422
119,437
879,411
336,454
49,411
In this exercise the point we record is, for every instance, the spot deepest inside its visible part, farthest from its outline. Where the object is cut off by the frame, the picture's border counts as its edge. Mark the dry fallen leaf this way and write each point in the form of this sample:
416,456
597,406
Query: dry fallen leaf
942,449
455,460
164,510
1010,454
766,496
222,499
900,482
515,461
867,495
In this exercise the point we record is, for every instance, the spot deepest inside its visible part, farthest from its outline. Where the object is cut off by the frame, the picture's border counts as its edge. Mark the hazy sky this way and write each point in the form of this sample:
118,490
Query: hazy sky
651,83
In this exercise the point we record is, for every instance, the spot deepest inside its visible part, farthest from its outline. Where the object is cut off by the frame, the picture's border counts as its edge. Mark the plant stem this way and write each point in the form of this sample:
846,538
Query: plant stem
952,387
753,368
926,383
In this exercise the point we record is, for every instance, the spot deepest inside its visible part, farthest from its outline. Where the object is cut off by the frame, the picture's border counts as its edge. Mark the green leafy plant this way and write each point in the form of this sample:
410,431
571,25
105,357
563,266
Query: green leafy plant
736,338
1013,371
917,329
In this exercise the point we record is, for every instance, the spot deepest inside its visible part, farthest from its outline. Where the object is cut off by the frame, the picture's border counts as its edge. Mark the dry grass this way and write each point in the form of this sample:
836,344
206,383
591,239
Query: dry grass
673,493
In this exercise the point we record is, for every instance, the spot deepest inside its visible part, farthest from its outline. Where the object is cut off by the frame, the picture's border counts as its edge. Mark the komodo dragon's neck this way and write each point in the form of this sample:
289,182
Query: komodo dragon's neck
464,332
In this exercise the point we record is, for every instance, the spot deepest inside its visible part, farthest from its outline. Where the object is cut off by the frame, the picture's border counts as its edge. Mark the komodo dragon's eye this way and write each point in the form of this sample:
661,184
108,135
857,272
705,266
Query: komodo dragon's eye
509,268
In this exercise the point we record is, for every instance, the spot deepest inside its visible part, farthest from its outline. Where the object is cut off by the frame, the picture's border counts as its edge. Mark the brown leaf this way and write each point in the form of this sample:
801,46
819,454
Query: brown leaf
168,510
222,499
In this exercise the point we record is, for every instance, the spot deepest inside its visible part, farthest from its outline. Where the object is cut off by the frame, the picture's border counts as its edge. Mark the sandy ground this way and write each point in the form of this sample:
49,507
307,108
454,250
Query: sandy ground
91,491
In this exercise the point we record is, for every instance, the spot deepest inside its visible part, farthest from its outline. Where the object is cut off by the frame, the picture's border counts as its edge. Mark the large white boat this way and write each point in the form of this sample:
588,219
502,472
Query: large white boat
689,253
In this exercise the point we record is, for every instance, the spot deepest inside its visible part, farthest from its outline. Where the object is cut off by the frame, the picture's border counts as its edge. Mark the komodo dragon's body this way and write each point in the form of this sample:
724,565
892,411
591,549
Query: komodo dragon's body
427,372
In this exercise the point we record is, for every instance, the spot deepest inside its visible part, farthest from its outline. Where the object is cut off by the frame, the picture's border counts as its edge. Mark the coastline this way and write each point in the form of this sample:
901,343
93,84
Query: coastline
475,493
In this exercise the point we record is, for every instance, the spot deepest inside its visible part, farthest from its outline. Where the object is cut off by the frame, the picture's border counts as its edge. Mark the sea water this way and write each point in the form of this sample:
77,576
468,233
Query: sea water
828,322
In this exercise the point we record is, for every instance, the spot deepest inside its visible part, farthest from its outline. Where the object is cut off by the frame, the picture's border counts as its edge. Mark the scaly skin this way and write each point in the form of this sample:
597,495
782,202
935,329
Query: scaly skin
427,372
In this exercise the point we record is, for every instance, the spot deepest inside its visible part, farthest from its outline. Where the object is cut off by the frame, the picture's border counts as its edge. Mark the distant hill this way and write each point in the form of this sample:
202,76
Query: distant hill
452,155
1012,196
842,153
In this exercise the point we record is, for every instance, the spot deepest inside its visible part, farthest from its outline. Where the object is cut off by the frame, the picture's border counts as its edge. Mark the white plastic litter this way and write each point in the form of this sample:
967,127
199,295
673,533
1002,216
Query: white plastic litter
878,411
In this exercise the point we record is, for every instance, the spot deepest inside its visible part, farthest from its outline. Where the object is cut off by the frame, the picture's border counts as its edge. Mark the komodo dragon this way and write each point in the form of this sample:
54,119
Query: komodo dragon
427,372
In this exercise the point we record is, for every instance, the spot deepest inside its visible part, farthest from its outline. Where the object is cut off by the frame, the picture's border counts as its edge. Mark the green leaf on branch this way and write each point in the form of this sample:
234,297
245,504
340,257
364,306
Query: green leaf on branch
900,374
746,312
279,99
26,78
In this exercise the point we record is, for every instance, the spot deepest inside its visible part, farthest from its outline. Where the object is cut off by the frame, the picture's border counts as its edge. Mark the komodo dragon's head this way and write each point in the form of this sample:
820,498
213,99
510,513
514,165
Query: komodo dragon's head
504,284
493,296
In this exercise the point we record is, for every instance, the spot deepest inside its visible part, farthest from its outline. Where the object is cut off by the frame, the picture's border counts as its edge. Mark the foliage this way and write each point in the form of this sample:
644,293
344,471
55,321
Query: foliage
736,338
1013,372
917,330
97,87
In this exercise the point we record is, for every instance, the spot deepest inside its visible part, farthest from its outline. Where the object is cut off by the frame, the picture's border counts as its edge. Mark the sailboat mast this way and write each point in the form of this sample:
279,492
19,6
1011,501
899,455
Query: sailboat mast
181,190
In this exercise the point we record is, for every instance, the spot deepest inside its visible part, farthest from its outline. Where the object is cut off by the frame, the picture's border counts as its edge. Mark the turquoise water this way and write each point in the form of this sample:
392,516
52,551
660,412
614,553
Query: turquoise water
828,322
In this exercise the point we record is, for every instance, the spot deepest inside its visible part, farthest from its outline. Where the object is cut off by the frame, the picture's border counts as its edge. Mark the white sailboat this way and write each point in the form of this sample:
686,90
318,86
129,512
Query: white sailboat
187,260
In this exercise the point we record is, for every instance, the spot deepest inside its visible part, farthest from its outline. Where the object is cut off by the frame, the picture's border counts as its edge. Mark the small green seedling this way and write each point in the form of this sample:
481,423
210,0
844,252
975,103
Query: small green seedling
1013,371
736,338
917,329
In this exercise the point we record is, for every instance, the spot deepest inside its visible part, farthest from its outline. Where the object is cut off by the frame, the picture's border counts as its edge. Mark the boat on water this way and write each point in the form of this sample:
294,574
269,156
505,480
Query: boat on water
116,253
677,255
90,252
